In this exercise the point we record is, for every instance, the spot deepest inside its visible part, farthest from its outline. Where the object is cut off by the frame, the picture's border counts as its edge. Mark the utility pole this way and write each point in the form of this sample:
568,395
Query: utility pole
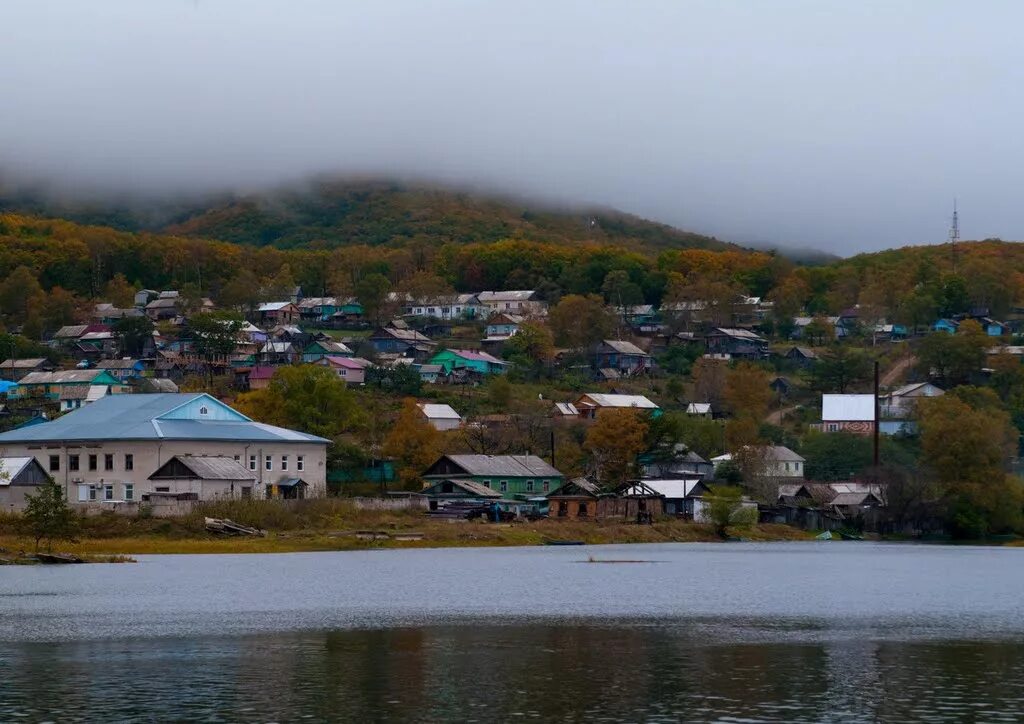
877,416
954,235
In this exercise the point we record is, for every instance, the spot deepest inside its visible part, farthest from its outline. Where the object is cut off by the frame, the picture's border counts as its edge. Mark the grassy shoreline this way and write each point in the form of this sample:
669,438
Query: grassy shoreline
332,524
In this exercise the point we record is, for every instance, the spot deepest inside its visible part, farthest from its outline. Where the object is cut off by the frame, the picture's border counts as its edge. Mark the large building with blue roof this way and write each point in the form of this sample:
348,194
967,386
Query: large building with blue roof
111,451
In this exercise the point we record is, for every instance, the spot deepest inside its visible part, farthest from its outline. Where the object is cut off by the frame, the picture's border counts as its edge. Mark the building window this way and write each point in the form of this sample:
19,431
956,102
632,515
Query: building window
129,491
108,492
163,489
108,461
269,462
833,427
92,492
72,462
529,486
284,463
204,411
547,486
54,463
252,462
92,462
300,463
503,486
246,491
129,462
787,467
238,458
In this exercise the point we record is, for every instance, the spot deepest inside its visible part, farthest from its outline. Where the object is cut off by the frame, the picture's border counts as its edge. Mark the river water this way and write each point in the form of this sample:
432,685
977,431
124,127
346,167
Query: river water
682,632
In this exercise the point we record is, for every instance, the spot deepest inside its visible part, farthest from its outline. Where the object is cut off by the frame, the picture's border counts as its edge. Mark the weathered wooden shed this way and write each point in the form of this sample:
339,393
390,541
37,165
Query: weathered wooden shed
18,476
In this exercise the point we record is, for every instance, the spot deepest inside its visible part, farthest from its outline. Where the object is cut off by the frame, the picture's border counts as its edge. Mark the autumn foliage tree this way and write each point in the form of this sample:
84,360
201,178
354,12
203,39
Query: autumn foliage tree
613,442
413,443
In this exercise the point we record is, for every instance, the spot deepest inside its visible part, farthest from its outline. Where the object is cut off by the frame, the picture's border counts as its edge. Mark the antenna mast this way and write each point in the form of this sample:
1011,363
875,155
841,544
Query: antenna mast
954,235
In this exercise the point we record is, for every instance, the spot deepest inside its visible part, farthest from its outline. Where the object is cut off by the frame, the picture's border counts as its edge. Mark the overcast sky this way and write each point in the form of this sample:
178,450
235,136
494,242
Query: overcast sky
842,126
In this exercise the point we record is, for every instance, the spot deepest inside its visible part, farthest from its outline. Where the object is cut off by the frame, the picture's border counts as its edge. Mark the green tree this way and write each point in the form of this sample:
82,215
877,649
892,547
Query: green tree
214,336
132,334
372,293
579,321
839,368
307,398
398,380
49,516
119,292
241,292
953,358
724,508
21,298
530,349
836,455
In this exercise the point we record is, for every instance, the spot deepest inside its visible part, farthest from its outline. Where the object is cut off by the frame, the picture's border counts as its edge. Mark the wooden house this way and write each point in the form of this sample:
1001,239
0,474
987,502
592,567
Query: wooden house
458,491
622,356
272,313
802,356
16,369
736,343
509,475
482,363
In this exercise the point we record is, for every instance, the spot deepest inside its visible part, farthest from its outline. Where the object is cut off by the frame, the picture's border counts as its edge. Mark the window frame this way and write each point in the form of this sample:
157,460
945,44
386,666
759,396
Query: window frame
108,462
54,464
129,491
73,463
268,463
129,461
300,463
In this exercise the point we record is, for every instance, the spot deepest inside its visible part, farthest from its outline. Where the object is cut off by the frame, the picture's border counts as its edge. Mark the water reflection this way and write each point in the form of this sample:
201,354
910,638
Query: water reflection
614,672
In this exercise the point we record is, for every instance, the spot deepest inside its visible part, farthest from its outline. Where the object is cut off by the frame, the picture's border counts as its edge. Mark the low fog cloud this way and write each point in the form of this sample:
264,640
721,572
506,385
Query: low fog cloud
841,126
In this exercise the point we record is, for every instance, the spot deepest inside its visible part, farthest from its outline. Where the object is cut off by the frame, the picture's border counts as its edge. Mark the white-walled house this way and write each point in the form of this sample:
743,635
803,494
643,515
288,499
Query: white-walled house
779,461
441,417
107,453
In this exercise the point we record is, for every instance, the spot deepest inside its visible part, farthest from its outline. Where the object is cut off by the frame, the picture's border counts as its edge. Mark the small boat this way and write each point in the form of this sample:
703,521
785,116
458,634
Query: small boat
564,543
851,536
827,535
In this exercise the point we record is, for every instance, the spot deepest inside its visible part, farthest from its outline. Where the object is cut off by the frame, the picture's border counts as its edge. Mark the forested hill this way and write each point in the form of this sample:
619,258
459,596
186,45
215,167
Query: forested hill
331,214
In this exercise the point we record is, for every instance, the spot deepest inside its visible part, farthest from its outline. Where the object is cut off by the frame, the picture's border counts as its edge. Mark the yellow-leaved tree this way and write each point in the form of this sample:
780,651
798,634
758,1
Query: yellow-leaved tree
413,443
613,442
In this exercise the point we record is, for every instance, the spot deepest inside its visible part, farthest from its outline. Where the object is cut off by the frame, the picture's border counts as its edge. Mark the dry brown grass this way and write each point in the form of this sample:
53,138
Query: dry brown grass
330,524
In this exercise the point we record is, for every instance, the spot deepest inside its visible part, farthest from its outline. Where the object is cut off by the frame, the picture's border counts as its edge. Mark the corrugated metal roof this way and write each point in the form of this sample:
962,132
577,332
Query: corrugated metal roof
22,364
609,400
698,408
623,347
516,466
61,377
515,295
439,412
470,486
847,408
142,417
213,467
273,306
567,408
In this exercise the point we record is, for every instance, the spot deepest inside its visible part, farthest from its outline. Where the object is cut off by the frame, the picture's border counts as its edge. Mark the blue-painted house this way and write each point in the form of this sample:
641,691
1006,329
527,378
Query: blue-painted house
945,325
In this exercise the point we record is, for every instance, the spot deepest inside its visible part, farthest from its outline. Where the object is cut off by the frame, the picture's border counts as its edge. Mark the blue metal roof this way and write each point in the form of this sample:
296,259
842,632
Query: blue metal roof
190,416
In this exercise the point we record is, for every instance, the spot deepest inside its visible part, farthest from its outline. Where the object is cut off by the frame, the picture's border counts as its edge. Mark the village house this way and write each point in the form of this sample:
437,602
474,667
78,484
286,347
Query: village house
448,307
800,324
591,403
320,348
163,308
271,313
848,413
441,417
458,493
509,475
682,463
503,325
106,313
278,353
700,409
582,499
316,310
351,370
482,363
259,377
900,403
683,497
123,369
525,302
802,356
18,476
622,356
777,461
405,342
429,373
71,389
17,369
736,344
107,452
